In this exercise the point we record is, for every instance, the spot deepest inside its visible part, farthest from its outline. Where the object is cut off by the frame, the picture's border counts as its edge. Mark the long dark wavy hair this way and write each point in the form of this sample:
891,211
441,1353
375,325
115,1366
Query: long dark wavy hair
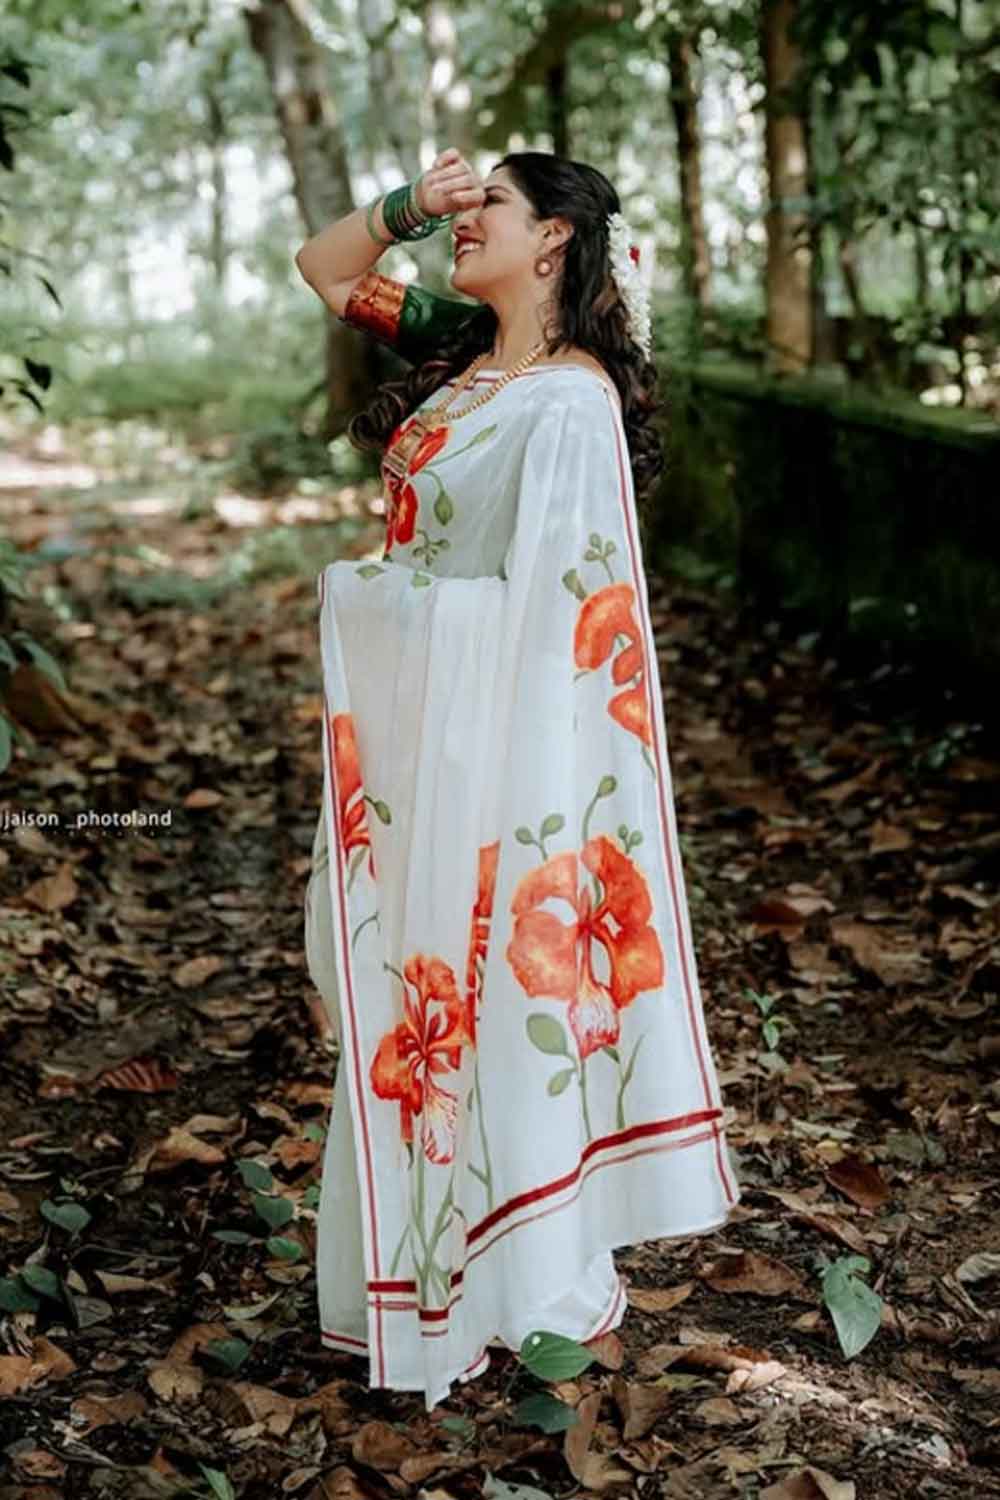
589,313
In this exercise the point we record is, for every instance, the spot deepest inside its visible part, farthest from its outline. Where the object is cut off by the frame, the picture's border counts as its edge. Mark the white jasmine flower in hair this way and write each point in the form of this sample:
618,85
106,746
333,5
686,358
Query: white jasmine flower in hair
624,256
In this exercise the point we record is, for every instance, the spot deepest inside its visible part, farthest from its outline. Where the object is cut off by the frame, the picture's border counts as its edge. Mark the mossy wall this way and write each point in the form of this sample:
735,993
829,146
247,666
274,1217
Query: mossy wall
867,515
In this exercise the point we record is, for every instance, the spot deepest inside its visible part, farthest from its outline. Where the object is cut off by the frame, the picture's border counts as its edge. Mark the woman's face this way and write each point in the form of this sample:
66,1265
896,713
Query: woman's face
506,242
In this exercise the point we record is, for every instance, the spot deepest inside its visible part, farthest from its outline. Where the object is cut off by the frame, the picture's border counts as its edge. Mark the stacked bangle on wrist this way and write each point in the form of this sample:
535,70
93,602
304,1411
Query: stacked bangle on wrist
403,216
370,221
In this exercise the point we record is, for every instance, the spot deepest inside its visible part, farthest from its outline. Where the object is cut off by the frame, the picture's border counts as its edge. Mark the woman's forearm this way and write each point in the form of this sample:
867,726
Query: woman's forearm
336,258
342,251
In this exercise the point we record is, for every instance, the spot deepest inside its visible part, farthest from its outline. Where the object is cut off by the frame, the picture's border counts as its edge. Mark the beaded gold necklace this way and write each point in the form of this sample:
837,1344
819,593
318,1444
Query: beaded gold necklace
398,458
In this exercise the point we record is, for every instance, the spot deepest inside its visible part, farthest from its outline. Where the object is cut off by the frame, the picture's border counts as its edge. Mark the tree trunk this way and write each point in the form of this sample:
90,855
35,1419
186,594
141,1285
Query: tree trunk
394,106
824,342
789,307
681,56
448,97
555,93
314,145
217,147
963,265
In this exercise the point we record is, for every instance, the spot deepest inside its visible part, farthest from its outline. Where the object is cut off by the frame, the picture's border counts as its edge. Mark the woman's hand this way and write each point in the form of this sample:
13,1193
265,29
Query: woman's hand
449,185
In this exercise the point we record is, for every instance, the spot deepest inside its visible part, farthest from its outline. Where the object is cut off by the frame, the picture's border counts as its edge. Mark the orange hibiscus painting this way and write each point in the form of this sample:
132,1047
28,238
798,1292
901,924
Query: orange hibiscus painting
603,616
401,515
554,958
351,810
426,1044
479,931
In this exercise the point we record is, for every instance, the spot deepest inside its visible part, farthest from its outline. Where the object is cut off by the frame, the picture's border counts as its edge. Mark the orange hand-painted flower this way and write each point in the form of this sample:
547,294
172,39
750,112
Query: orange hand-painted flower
604,615
401,515
425,1044
554,959
479,932
352,819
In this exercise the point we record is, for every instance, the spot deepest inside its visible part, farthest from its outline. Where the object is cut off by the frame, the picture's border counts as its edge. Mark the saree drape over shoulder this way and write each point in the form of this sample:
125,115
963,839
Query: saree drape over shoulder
497,916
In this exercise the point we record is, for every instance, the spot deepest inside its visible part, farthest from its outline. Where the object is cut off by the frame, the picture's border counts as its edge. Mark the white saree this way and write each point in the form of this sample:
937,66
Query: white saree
497,917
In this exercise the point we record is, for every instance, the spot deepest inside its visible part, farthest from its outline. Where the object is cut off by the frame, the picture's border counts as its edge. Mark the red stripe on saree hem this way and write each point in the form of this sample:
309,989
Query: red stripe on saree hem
368,1178
558,1184
403,1286
641,604
344,1338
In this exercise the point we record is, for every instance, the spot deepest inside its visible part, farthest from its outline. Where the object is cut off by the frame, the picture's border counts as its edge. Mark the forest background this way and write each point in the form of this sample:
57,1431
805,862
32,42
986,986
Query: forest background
815,191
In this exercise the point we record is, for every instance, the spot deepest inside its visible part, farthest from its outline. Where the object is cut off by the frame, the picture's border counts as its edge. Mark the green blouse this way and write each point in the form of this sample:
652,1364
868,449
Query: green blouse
410,319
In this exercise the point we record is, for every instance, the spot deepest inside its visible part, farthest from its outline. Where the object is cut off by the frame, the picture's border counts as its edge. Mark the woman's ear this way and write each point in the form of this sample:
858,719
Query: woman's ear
560,232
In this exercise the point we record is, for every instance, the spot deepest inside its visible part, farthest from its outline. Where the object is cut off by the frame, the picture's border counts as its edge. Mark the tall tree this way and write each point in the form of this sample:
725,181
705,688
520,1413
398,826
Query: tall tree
448,97
311,129
682,52
789,302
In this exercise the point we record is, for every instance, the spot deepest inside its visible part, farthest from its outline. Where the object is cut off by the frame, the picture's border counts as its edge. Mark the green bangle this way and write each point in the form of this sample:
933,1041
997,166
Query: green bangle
370,221
399,210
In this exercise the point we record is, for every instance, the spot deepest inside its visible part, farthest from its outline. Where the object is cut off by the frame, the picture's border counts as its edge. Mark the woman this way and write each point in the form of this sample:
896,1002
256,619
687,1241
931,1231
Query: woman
500,929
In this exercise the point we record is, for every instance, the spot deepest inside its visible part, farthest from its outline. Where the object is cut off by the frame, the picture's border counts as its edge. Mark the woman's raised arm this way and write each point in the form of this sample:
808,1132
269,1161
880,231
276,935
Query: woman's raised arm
336,258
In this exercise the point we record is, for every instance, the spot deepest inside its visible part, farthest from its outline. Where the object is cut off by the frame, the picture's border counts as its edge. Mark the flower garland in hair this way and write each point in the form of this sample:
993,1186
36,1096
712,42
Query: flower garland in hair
624,257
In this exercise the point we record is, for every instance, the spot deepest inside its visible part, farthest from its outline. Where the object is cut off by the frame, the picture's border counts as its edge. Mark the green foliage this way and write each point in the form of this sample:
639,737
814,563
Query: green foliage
269,1206
218,1483
229,1353
855,1309
545,1411
15,115
771,1025
550,1356
66,1214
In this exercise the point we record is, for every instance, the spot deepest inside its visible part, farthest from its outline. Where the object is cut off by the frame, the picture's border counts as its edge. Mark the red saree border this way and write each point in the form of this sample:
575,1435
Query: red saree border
642,604
369,1178
391,1295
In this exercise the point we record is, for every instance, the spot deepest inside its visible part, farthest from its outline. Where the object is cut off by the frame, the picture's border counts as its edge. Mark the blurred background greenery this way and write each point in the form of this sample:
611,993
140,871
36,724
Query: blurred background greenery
815,189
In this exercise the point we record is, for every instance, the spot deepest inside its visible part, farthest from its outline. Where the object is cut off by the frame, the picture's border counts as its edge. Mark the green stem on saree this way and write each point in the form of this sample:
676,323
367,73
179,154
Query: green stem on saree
486,1175
583,1099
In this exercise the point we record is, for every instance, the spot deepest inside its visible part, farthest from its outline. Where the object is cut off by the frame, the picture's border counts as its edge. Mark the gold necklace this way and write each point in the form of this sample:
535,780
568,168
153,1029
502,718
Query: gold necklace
398,458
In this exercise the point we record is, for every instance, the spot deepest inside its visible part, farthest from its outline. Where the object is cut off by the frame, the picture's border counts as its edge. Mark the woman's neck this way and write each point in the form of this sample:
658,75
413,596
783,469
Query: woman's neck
519,330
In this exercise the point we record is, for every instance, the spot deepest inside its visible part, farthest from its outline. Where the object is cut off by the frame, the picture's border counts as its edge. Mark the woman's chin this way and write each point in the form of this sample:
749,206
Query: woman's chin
462,282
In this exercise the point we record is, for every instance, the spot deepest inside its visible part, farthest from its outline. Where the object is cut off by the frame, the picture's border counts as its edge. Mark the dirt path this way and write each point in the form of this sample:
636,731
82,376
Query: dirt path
155,1031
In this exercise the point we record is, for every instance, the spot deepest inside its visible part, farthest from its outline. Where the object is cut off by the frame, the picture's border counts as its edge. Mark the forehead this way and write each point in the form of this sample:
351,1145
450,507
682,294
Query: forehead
500,177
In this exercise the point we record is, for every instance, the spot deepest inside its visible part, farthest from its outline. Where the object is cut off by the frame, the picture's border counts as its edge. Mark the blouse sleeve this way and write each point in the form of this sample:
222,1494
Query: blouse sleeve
410,319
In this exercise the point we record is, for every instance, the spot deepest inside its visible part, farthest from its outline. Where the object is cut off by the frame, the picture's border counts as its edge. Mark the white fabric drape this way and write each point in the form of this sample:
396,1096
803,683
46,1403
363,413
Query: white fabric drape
497,916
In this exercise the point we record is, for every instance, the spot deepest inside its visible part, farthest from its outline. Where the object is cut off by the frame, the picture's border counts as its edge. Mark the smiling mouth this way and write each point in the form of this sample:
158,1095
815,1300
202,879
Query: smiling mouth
465,247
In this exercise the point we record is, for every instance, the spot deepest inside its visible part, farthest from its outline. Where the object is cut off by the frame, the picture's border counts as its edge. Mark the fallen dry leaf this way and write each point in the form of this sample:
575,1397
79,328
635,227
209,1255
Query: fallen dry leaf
859,1180
90,1412
659,1298
196,970
760,1275
53,892
240,1402
381,1447
751,1378
608,1350
810,1483
139,1075
576,1442
719,1411
639,1405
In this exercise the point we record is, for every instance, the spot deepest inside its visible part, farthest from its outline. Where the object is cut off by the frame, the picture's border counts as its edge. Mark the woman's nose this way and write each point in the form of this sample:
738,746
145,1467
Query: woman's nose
467,220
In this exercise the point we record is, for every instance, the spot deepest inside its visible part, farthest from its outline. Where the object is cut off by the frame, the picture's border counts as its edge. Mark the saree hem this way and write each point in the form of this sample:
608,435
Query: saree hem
609,1319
